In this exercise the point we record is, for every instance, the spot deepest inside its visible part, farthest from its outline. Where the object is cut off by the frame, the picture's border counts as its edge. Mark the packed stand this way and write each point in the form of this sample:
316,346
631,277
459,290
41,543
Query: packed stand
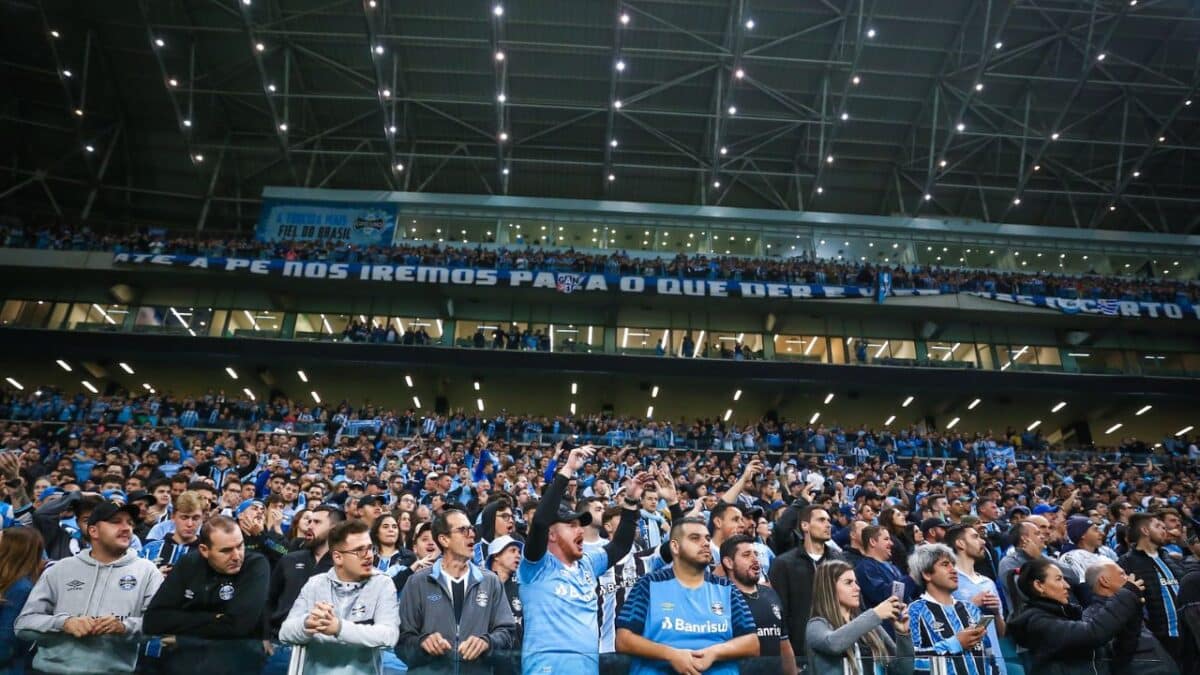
803,269
464,544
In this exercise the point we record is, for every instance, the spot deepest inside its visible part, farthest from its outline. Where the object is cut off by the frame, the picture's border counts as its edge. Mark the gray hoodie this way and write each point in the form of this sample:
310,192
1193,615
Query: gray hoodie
369,615
81,586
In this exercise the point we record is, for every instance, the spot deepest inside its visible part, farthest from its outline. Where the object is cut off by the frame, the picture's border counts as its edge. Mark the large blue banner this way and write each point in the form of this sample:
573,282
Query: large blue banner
563,282
358,224
1100,306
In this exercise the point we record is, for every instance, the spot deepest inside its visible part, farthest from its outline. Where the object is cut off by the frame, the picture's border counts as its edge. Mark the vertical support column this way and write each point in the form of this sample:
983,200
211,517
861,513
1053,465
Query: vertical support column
922,351
288,327
610,340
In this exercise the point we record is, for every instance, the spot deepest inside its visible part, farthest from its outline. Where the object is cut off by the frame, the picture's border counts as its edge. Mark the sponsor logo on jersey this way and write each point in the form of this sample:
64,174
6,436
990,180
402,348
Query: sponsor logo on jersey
683,626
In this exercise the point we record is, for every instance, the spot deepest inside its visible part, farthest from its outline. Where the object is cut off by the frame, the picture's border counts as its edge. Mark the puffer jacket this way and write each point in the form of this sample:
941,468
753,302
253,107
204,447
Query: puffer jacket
1060,642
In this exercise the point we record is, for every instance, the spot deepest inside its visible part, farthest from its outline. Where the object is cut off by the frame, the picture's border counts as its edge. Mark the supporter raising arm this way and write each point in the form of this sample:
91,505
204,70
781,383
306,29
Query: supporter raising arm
558,579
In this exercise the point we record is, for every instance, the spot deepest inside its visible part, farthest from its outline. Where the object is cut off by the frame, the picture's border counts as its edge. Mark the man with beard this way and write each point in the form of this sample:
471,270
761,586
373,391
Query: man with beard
294,569
100,591
742,566
684,616
558,579
1085,539
792,573
1160,573
974,588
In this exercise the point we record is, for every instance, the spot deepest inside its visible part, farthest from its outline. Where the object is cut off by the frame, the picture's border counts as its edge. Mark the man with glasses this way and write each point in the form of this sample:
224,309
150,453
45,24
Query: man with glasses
348,614
454,612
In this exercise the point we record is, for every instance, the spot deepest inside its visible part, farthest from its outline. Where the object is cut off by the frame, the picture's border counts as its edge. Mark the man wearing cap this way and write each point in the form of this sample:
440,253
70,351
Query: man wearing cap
187,516
453,613
1084,540
503,558
102,591
370,507
251,518
934,530
558,580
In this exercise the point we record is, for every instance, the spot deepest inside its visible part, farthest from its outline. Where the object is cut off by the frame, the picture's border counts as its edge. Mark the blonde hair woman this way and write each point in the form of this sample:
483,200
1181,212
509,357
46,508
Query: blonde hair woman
842,641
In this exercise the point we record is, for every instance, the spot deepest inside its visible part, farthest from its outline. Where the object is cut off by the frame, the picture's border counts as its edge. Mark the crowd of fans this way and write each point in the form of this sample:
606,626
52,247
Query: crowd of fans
470,543
802,269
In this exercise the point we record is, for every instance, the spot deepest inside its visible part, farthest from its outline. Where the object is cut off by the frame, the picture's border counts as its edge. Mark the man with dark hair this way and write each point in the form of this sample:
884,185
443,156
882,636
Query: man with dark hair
727,520
792,573
454,612
294,569
220,594
974,588
685,616
504,555
348,614
47,519
1161,574
946,634
100,591
739,559
875,572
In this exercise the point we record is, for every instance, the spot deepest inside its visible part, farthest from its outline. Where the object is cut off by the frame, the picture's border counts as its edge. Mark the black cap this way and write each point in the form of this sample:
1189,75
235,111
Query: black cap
930,523
105,511
140,496
566,515
367,500
356,484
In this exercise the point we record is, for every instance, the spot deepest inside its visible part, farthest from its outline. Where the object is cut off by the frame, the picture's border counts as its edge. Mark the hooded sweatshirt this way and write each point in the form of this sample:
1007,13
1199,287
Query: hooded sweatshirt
81,586
368,612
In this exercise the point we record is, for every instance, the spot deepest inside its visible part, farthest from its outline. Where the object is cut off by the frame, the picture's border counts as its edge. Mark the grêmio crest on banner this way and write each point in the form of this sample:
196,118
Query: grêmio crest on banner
357,224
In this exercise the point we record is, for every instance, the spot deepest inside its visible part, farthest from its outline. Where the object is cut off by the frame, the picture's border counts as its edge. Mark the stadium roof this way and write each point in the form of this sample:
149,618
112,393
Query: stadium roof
1073,113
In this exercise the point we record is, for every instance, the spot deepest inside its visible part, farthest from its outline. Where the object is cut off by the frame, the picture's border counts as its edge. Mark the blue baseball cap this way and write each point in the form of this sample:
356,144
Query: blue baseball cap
49,492
1044,508
241,508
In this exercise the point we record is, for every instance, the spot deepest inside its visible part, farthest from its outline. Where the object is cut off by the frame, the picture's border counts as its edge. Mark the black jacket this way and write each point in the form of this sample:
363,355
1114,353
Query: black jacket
1134,648
46,520
288,577
1077,646
791,576
197,605
1140,564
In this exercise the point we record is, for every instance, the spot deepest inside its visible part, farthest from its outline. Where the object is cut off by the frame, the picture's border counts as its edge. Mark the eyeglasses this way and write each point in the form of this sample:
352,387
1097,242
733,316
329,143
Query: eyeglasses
504,516
464,530
361,551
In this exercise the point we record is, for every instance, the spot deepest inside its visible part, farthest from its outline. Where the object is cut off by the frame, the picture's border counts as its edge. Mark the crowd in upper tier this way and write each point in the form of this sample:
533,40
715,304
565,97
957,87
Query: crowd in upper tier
802,269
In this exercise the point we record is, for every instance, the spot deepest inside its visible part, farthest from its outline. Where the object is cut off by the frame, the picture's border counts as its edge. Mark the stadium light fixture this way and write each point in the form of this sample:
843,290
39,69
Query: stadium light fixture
572,407
649,412
379,50
500,56
79,112
198,157
89,386
260,47
820,190
147,387
815,416
624,19
316,397
845,116
889,420
728,414
999,45
64,365
416,402
716,184
55,34
1145,409
953,422
654,392
928,197
158,42
749,24
498,10
408,381
271,88
961,127
126,367
301,374
739,73
1185,430
1054,136
1033,425
974,404
828,398
908,401
724,150
856,80
283,126
187,123
732,110
479,404
978,86
90,148
737,395
16,384
1058,406
1113,428
66,73
871,33
232,373
248,393
620,66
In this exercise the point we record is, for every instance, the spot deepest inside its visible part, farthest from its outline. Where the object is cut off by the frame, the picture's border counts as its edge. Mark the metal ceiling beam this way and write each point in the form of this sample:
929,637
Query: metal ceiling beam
724,81
278,118
500,82
374,16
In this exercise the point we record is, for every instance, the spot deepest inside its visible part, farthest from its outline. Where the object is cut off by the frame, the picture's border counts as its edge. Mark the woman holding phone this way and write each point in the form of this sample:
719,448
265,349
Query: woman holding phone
841,640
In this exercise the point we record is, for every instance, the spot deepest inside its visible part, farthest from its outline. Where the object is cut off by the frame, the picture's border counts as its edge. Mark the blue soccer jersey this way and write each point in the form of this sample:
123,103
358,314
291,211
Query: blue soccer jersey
561,631
660,609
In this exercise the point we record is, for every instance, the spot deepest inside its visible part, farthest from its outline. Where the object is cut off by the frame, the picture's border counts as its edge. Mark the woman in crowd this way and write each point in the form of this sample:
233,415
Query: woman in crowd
296,538
841,640
1077,646
895,521
404,521
21,553
385,534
